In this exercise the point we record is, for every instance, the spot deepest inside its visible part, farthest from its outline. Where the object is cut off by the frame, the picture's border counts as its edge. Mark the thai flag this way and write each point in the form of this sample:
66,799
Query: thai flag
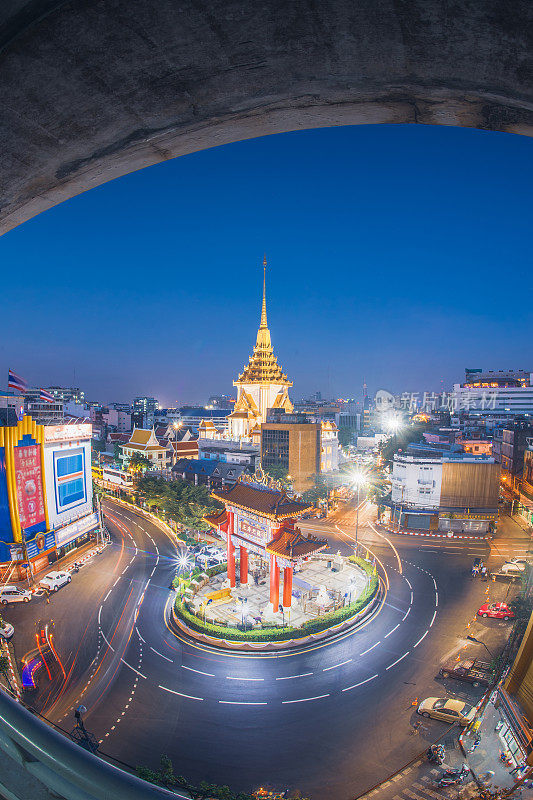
16,382
46,396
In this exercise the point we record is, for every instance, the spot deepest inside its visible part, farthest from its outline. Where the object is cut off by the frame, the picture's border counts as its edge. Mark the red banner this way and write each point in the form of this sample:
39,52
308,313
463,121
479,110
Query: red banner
29,485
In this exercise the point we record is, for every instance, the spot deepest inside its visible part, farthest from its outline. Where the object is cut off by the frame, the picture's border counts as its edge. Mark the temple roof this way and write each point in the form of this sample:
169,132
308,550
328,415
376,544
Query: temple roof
265,502
291,544
263,365
217,518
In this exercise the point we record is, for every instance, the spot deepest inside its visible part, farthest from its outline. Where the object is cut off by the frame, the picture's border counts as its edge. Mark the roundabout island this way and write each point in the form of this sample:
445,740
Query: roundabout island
237,604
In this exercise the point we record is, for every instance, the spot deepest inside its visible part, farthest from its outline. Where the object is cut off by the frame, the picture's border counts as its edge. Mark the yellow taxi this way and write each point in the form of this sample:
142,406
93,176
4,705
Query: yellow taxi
447,710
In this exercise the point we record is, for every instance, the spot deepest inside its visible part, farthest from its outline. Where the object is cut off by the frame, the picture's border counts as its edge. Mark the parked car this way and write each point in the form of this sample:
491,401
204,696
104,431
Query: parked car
478,673
12,594
496,611
447,710
210,559
510,570
6,630
55,580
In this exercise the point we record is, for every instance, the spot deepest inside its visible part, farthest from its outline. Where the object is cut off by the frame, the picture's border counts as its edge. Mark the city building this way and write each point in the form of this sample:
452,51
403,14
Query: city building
193,416
444,489
144,442
144,404
119,420
230,452
208,472
525,504
261,385
221,401
178,441
43,412
12,402
492,393
510,444
293,445
68,394
46,503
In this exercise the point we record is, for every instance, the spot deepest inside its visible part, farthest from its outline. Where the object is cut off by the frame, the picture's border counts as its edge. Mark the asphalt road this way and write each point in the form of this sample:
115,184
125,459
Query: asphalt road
330,720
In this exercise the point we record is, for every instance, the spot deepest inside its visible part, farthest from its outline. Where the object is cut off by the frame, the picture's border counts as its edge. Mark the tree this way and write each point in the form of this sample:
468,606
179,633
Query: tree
400,440
4,670
346,436
139,463
117,450
182,501
320,490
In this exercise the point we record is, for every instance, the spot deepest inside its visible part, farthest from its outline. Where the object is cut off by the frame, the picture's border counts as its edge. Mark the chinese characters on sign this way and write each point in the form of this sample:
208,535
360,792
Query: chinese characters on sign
429,402
29,485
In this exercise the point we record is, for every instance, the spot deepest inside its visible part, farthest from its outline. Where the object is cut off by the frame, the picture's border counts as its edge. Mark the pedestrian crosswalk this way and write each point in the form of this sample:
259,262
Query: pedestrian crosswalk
411,785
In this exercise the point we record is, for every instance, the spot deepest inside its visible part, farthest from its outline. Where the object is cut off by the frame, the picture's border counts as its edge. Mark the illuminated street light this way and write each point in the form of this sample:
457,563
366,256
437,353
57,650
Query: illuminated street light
392,425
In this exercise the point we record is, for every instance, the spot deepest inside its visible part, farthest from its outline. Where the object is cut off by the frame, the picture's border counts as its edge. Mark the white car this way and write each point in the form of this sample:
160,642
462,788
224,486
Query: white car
6,630
55,580
12,594
513,568
210,559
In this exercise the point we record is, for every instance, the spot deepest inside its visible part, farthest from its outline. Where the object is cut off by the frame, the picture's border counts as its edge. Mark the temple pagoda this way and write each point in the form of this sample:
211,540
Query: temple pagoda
260,520
261,385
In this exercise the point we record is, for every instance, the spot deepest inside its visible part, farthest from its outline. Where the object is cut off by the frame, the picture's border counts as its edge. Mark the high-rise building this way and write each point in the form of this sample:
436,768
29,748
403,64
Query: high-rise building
42,411
261,385
494,393
144,404
68,394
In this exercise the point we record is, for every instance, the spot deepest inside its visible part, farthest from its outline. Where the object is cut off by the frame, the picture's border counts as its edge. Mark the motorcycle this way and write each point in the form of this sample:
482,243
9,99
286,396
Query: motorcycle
435,754
453,777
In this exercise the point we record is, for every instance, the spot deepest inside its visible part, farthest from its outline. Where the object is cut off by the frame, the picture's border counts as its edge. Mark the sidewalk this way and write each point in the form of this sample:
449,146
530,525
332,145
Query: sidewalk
484,760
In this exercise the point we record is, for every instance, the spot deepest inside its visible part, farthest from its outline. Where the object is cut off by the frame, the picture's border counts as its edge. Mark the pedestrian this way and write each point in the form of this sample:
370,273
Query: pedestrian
475,570
47,593
483,573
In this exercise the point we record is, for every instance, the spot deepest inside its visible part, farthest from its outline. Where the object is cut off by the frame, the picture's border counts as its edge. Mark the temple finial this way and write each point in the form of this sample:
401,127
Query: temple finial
264,307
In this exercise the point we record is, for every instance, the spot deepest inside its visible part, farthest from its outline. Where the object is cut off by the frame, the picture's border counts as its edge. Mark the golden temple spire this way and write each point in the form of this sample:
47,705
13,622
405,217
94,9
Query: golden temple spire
263,334
264,308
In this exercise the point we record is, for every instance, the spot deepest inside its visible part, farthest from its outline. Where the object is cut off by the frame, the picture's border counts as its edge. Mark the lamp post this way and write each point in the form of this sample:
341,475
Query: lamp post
478,641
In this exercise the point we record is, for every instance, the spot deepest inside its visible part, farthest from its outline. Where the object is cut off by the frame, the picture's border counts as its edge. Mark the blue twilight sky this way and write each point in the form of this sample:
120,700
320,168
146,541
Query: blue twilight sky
397,255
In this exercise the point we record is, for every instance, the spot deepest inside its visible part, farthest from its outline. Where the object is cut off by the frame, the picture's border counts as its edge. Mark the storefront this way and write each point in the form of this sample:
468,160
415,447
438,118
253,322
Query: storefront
512,729
76,534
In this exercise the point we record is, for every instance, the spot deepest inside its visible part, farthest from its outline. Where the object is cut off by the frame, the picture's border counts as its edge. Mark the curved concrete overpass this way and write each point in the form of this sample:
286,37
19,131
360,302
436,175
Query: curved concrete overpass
90,91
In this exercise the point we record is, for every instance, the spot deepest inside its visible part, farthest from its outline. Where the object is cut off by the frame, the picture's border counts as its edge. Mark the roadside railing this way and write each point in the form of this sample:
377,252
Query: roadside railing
55,762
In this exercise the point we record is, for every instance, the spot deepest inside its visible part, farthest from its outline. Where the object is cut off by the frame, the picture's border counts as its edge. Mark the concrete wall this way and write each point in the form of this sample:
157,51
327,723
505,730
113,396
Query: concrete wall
91,91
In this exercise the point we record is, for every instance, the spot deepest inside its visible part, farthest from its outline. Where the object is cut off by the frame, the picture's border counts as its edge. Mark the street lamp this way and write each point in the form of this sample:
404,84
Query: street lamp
392,425
358,480
478,641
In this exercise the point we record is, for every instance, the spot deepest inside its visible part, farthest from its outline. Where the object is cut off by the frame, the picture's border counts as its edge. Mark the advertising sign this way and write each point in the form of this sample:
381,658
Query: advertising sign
78,528
67,433
252,530
6,532
40,544
29,485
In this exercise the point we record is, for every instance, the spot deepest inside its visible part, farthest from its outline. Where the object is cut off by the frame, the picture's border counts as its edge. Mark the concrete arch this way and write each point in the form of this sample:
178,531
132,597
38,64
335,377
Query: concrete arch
92,90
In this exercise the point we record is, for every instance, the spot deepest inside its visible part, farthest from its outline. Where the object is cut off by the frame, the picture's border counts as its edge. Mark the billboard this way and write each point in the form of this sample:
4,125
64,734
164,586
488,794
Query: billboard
67,433
29,484
75,529
252,530
6,532
67,469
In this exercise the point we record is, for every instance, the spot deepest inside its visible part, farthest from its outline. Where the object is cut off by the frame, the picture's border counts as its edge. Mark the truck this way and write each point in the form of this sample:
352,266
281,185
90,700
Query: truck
471,670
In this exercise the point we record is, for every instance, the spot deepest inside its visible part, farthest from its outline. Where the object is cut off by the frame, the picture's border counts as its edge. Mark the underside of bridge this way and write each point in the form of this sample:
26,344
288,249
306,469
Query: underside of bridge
92,90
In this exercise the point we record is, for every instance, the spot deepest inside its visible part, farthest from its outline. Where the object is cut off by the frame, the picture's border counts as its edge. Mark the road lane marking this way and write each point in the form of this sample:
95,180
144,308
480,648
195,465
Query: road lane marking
240,703
433,618
99,614
133,668
236,678
370,648
290,677
421,638
161,654
304,699
173,691
359,684
398,660
436,598
406,614
199,671
139,635
392,631
342,663
107,595
117,580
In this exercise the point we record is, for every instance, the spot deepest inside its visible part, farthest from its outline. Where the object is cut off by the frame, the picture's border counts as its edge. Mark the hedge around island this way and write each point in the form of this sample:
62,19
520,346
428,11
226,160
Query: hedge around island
276,633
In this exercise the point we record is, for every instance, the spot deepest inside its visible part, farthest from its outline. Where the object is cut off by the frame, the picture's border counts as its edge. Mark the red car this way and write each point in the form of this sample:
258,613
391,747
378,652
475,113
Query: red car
496,611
